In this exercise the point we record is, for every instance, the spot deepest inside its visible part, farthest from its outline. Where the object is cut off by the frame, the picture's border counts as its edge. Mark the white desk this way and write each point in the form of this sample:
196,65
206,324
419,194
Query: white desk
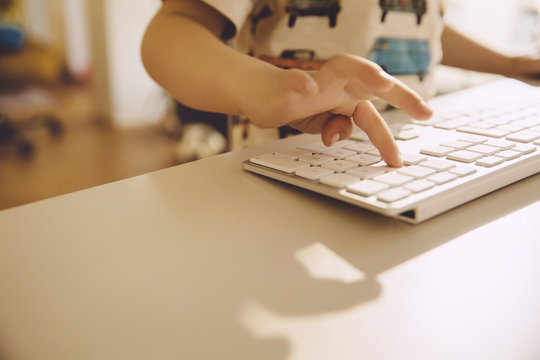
206,261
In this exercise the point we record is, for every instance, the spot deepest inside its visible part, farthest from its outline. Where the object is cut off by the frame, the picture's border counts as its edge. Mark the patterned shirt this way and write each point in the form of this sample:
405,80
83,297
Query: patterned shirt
402,36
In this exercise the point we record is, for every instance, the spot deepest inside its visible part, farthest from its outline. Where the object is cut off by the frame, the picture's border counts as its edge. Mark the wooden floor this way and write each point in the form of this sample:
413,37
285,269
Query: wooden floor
88,153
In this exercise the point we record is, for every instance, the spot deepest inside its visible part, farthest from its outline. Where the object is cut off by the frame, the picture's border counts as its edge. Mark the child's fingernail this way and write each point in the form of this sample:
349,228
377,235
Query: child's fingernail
399,160
335,138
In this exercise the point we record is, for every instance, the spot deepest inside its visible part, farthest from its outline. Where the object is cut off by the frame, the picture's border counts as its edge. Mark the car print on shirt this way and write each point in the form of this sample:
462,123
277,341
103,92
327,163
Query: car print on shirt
298,59
402,56
260,12
415,6
328,8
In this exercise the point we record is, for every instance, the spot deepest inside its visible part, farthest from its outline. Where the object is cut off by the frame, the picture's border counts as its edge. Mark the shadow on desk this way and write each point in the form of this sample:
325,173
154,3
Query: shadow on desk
167,266
254,272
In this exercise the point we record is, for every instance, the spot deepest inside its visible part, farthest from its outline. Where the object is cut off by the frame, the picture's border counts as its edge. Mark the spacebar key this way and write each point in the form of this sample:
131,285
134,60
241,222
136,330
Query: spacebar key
279,163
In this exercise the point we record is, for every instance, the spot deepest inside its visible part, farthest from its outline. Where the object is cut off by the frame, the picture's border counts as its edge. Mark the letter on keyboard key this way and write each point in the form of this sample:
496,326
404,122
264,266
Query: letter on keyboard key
314,172
338,153
279,163
339,165
316,159
364,159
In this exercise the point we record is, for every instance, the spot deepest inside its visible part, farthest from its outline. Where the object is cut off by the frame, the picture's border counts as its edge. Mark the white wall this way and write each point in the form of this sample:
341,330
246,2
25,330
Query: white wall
494,22
127,94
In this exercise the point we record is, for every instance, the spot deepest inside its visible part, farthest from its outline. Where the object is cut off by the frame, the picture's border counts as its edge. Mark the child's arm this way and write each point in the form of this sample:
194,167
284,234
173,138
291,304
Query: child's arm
461,51
183,52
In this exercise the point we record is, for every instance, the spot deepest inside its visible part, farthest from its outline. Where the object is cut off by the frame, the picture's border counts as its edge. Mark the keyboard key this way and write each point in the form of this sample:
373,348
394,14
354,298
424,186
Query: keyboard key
313,172
316,159
509,154
319,147
406,135
442,177
524,148
464,156
339,165
482,125
366,187
392,195
484,149
412,159
500,143
416,171
462,170
511,127
437,150
490,161
338,153
364,159
454,123
360,147
473,139
439,165
524,136
366,172
436,118
279,163
314,148
419,185
492,132
397,127
338,180
393,178
293,153
457,144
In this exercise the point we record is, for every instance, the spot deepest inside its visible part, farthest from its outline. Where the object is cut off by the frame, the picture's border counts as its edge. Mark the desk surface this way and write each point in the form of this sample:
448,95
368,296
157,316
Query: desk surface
206,261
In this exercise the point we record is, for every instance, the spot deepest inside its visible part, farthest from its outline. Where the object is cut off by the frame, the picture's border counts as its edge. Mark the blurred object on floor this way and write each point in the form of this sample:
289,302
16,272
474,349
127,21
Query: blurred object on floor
32,62
89,153
11,38
198,141
199,134
18,133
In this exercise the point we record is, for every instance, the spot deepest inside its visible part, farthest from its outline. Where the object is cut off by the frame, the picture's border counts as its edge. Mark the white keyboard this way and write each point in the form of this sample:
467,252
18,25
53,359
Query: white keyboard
479,140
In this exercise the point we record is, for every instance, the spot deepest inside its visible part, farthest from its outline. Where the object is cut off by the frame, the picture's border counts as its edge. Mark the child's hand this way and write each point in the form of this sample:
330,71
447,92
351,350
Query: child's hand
524,65
330,100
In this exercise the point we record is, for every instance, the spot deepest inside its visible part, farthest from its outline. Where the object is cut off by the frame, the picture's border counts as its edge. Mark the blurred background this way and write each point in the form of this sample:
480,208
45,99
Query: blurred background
78,110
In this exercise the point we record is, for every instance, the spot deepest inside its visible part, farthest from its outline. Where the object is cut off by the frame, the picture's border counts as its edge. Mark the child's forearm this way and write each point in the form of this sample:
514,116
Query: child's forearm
190,61
461,51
